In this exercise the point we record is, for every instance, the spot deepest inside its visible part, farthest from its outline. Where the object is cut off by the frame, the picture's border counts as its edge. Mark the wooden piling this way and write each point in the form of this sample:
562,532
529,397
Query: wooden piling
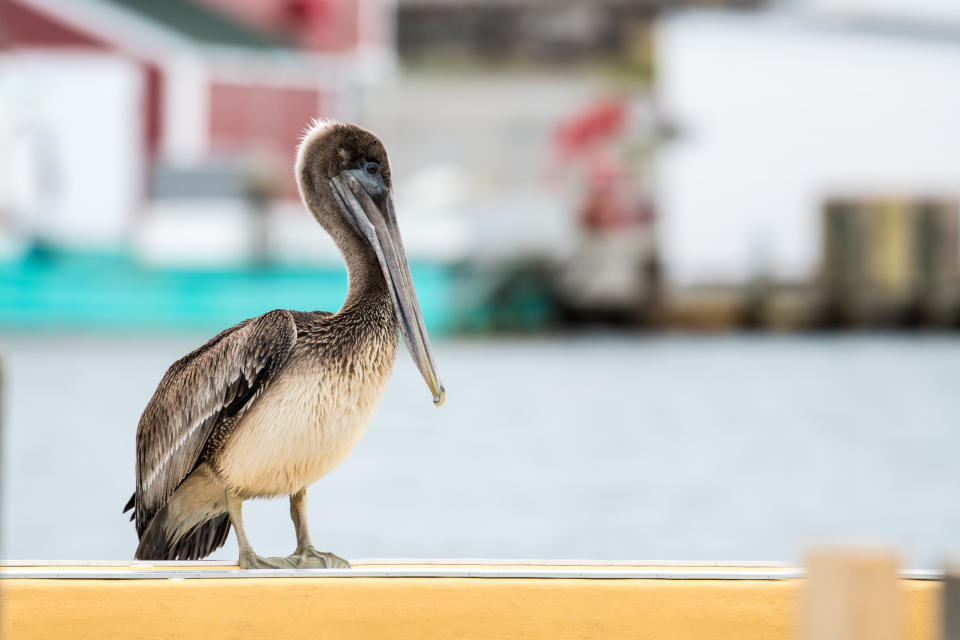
950,603
852,594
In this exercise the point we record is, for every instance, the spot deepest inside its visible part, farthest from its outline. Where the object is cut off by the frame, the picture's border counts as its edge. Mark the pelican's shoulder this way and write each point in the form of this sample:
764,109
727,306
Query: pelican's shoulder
351,330
307,321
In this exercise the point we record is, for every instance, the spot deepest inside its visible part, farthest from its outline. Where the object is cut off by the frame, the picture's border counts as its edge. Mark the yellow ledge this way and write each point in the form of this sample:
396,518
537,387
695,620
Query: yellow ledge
464,599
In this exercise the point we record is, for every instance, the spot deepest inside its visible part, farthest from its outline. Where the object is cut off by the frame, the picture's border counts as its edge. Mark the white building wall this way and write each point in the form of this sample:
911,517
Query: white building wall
940,12
71,146
774,115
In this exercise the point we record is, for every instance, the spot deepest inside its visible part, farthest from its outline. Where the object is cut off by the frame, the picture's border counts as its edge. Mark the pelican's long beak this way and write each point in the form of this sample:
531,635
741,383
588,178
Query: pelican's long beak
368,205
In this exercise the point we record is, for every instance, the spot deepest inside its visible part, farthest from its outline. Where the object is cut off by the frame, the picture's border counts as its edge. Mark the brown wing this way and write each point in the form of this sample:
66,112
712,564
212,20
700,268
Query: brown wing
218,380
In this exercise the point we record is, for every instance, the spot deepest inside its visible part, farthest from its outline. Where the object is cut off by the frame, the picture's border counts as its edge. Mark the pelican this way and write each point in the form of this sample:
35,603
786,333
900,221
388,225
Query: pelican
270,405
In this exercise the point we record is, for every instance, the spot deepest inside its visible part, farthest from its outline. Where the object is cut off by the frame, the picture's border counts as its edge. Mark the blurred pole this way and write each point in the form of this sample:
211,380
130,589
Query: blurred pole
951,602
852,594
2,457
260,188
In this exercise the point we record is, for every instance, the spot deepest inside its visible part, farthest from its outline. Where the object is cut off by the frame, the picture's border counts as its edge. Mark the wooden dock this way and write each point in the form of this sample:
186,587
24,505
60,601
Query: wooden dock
417,599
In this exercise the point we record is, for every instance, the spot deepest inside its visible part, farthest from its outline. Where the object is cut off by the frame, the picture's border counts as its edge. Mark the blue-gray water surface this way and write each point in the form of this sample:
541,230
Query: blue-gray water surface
598,447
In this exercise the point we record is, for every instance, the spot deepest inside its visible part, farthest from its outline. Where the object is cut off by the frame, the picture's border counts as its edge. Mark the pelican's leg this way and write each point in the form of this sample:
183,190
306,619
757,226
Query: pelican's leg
306,556
248,559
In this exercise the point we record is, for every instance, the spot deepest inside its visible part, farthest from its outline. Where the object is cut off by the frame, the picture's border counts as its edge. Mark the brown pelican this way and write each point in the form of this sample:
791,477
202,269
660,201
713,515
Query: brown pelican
270,405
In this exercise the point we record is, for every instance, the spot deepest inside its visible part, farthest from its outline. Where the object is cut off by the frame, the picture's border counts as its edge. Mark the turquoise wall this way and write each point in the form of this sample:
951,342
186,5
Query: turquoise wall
69,290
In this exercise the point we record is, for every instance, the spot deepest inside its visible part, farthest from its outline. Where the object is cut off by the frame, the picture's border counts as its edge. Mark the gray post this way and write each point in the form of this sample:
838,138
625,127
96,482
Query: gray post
951,602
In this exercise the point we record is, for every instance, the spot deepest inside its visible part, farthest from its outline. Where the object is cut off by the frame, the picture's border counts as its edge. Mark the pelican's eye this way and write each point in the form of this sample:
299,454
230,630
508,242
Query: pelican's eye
372,168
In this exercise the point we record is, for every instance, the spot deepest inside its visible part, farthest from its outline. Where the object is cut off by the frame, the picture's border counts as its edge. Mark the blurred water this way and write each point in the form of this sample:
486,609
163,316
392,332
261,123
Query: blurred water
685,448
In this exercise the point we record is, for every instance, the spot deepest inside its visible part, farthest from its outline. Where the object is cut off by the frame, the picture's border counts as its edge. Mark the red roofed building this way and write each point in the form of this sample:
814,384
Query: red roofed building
140,84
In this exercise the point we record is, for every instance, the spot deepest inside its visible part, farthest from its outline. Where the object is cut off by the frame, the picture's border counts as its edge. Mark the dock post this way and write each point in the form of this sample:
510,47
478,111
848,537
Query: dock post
950,629
852,594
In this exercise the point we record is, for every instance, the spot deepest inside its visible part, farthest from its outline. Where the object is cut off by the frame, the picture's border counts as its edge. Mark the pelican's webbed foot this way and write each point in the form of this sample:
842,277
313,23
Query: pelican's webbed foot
253,561
310,558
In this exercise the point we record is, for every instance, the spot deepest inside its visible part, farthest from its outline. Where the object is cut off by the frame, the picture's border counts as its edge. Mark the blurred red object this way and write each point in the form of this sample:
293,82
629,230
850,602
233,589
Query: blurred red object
589,127
313,25
585,138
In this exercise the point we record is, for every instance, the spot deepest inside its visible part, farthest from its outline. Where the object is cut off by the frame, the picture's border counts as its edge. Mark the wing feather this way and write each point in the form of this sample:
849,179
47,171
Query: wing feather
220,379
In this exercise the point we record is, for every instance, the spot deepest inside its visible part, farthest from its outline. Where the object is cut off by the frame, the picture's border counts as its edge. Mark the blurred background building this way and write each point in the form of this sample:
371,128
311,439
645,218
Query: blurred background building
143,137
788,164
817,160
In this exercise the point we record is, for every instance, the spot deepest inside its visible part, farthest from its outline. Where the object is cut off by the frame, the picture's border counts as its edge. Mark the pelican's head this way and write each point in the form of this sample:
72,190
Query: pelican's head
344,178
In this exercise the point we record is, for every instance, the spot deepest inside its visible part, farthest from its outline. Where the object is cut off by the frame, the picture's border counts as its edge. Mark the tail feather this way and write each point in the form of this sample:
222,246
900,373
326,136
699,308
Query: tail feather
199,542
130,506
192,524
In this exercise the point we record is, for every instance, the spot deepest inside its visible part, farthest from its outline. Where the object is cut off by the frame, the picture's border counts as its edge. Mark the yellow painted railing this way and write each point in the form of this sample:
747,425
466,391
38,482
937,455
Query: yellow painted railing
210,601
